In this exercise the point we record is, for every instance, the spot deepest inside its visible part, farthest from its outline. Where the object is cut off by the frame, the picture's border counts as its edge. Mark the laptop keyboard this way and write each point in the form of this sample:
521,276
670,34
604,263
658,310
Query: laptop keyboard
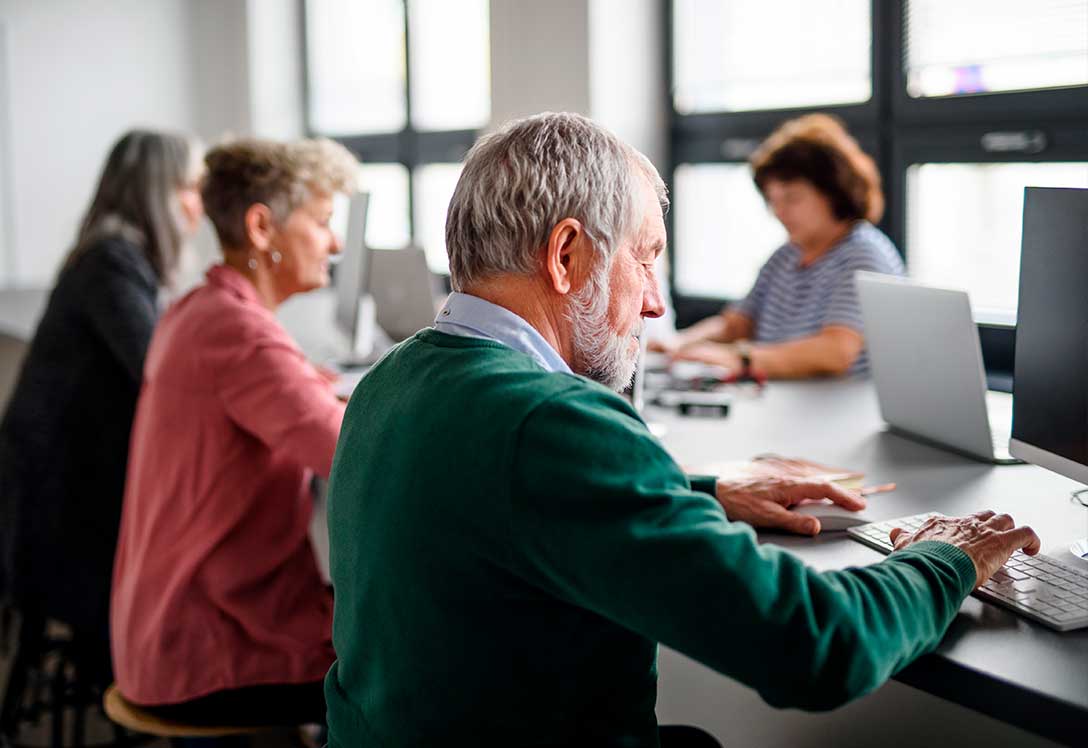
1037,587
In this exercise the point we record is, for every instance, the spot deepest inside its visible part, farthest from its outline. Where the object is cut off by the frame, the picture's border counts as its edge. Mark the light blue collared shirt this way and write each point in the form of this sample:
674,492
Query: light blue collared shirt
472,317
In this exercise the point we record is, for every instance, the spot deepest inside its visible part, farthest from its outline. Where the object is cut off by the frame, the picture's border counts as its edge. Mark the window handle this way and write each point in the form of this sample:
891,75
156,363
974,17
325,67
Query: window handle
1025,141
738,149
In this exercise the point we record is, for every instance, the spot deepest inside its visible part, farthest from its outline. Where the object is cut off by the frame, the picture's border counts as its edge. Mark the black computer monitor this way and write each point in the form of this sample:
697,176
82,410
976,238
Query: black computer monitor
352,268
1050,382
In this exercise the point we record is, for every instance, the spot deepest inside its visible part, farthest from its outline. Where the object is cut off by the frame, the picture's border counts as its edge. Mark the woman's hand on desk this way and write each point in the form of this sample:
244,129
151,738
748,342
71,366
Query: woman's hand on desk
765,502
988,538
724,355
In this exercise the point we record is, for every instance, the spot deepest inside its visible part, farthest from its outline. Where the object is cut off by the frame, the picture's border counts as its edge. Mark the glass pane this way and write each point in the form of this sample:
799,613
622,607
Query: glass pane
964,223
355,66
735,55
980,46
434,184
387,215
724,232
450,64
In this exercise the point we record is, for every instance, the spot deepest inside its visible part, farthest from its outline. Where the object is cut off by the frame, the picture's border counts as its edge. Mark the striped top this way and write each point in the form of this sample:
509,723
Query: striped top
789,301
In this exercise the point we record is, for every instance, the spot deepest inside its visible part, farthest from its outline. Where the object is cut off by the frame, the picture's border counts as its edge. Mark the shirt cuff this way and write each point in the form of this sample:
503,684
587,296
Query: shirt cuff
707,484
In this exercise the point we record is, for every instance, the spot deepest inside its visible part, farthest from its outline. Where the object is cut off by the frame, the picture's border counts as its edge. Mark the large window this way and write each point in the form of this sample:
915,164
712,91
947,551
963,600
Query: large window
724,227
962,104
406,85
819,55
987,46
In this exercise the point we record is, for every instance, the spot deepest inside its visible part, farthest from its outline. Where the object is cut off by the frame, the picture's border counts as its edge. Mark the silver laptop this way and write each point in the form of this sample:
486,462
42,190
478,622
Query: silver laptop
927,366
404,291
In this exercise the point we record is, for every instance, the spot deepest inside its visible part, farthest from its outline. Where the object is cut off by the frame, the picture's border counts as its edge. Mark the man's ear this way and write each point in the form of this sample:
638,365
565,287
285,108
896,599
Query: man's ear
567,256
259,226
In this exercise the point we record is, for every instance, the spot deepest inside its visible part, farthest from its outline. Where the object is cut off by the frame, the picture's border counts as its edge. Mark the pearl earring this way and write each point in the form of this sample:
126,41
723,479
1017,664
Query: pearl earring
276,257
252,264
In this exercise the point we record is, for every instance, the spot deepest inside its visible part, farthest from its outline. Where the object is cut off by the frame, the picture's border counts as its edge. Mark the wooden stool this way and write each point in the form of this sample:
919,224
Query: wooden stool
129,715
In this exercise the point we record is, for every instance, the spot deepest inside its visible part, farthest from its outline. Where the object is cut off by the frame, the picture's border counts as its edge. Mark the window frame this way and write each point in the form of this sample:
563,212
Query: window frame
896,130
409,147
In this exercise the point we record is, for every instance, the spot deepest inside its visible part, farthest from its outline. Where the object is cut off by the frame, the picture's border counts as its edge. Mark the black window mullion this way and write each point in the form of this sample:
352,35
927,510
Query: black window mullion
408,141
671,120
887,72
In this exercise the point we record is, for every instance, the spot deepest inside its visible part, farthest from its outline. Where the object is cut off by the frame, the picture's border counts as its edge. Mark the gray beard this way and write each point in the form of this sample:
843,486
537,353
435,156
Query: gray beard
599,353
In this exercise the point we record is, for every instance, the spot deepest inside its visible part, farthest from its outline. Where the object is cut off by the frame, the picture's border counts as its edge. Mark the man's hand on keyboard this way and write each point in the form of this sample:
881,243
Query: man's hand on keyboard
988,538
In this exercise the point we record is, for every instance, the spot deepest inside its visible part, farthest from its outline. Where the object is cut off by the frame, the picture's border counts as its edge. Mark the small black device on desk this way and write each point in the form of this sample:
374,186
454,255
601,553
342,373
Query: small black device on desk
688,402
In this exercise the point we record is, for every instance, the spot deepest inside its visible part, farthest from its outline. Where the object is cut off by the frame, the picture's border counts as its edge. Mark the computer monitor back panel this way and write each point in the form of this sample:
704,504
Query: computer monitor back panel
926,361
1050,406
352,267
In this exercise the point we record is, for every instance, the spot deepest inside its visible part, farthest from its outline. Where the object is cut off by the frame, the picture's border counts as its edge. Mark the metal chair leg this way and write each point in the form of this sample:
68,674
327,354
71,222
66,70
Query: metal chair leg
81,695
28,652
58,688
7,623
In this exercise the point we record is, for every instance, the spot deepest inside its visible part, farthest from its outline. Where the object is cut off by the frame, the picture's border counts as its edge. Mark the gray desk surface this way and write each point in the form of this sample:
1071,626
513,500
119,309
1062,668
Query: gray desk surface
990,660
20,309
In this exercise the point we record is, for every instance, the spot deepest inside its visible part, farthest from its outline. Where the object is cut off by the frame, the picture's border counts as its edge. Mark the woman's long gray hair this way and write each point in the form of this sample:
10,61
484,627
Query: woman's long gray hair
136,198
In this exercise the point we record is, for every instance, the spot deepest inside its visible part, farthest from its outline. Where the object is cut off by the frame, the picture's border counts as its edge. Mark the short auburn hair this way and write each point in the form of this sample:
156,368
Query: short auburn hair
818,149
280,175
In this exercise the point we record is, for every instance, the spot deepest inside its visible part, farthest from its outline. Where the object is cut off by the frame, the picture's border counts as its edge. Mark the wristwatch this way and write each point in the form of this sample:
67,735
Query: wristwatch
744,350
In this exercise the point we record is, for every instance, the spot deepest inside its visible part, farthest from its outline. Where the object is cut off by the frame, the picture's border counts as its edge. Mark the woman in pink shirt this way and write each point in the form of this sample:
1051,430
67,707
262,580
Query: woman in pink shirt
218,611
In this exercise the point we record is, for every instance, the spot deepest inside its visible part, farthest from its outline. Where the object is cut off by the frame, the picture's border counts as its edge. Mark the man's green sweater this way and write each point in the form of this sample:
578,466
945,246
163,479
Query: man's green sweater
508,545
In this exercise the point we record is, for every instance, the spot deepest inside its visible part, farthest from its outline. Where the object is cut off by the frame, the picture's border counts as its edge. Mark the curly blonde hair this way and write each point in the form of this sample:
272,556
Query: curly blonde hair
282,176
817,148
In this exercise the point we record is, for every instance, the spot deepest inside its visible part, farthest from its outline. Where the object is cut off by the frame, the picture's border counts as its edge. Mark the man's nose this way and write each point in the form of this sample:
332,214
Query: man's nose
653,303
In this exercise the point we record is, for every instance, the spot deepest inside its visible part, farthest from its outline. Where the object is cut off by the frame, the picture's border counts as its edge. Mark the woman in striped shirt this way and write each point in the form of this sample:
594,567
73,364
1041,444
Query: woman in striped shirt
801,318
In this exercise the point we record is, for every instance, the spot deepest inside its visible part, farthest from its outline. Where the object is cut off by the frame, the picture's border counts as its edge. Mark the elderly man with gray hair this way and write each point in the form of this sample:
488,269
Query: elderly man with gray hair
509,542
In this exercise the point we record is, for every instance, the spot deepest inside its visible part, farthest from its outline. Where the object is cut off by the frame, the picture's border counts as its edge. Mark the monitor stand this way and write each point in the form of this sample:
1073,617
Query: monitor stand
370,341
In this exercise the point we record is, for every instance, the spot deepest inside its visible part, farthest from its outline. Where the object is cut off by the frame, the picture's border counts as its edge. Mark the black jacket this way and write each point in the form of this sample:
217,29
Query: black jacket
64,438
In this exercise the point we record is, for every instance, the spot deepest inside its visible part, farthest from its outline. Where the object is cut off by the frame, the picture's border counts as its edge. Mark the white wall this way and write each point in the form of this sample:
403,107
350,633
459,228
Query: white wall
78,74
219,59
626,77
275,68
539,58
601,58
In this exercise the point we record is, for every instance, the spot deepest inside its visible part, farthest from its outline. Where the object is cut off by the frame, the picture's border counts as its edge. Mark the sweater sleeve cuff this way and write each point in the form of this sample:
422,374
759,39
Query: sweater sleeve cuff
707,484
950,555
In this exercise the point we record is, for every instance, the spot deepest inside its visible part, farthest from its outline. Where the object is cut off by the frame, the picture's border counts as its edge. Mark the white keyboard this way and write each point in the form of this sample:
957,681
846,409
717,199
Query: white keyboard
1037,587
